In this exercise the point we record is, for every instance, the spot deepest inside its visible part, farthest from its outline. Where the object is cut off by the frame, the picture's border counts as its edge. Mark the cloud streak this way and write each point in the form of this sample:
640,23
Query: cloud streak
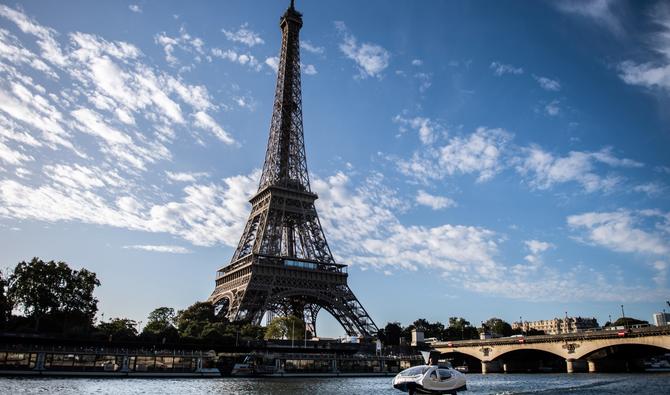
371,59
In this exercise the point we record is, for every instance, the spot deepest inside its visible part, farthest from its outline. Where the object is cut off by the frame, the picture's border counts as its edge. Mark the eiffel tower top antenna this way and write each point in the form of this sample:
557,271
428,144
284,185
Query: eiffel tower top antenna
285,162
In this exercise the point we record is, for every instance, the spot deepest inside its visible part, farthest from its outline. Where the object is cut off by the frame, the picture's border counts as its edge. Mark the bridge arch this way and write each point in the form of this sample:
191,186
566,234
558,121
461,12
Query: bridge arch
540,348
464,350
529,359
586,349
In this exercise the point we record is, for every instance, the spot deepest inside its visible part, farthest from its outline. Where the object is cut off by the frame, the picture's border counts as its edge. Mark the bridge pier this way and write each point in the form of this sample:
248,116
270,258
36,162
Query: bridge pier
593,367
575,365
490,367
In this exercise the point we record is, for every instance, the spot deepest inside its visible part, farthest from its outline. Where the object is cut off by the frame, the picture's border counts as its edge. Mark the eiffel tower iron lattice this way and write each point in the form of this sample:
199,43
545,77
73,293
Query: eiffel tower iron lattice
282,264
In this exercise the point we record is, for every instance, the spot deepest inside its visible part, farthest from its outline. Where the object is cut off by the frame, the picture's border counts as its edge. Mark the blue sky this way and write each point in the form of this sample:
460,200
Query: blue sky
472,159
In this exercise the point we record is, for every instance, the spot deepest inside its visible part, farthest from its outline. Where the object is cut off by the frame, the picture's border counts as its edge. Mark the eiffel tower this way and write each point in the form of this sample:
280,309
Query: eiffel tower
282,264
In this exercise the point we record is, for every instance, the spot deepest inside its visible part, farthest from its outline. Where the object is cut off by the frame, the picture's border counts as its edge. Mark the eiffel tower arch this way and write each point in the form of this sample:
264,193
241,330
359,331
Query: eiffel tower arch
283,264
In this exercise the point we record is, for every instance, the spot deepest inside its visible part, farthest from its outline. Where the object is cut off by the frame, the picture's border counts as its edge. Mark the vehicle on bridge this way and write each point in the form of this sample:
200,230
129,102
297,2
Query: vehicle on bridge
432,378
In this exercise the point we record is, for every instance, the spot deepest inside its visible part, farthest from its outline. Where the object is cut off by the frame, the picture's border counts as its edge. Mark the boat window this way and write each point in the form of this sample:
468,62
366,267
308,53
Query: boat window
444,374
414,371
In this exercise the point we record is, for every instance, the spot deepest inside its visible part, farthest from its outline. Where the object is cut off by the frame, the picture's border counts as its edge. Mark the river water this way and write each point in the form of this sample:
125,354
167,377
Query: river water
578,383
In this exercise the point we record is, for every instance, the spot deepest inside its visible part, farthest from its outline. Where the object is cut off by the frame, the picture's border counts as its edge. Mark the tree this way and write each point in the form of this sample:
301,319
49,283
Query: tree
41,288
5,305
628,321
250,331
118,328
435,329
392,332
289,327
160,325
192,321
497,325
460,328
160,320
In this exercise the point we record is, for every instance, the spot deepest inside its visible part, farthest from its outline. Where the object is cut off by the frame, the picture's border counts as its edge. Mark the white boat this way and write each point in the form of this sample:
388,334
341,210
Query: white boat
433,378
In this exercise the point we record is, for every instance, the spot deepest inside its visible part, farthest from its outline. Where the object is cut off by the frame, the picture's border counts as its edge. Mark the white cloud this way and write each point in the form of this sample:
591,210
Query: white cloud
309,69
14,52
552,108
545,170
652,189
371,59
309,47
536,249
273,63
428,130
160,248
244,59
602,12
243,35
480,152
548,83
464,255
206,215
378,239
79,177
45,36
34,111
661,277
204,121
11,156
536,246
623,231
184,42
655,74
433,201
185,177
417,62
425,81
135,8
501,69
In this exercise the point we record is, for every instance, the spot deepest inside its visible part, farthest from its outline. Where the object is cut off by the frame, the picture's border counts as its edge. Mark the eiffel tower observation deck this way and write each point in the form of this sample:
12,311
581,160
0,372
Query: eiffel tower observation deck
282,264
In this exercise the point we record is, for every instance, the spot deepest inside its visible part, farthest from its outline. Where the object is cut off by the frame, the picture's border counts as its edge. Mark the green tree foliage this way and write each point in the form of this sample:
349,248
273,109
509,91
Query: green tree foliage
191,322
460,328
254,332
434,329
289,327
118,329
160,325
5,305
392,333
41,289
498,326
628,321
160,320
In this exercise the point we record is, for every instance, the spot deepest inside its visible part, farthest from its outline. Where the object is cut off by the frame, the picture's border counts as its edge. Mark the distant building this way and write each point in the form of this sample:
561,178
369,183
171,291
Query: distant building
661,319
558,325
417,337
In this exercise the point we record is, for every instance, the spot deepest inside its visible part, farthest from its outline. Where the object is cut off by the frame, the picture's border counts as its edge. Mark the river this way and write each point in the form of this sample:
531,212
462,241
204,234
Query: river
578,383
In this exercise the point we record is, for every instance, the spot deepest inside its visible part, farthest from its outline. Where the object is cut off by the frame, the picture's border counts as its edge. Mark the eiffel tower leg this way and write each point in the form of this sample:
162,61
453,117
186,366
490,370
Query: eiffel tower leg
311,311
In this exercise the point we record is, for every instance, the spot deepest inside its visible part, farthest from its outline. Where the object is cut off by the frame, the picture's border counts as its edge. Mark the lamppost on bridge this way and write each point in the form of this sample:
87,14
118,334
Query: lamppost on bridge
625,321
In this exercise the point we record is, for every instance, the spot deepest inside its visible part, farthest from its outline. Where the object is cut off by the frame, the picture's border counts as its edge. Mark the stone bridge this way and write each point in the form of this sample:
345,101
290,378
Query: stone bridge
593,349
